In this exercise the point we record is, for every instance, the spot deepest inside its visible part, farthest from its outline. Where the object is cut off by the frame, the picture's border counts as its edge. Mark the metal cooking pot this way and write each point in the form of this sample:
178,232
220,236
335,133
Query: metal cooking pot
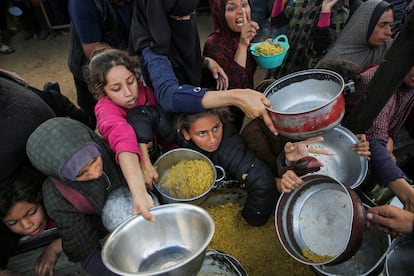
171,158
307,103
368,260
323,217
400,258
343,164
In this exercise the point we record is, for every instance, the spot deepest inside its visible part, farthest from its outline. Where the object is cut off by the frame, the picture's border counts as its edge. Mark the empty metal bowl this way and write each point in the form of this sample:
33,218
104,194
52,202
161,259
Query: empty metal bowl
343,164
400,259
321,222
174,244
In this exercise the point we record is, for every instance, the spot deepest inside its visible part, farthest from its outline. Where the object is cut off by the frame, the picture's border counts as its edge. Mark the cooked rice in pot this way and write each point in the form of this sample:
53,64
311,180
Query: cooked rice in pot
188,178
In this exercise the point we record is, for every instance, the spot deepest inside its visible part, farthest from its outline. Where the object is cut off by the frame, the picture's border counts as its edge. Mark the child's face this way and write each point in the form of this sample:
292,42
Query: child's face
409,79
234,14
206,132
92,170
121,86
26,218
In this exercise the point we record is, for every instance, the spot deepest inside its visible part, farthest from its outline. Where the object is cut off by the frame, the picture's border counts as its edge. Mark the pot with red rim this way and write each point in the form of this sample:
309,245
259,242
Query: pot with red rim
306,103
320,223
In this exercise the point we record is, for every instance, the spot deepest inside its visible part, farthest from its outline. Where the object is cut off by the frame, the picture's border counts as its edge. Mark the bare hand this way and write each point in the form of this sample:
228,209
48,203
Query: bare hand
362,147
391,219
249,29
218,73
142,204
46,262
327,5
254,105
289,182
150,174
298,150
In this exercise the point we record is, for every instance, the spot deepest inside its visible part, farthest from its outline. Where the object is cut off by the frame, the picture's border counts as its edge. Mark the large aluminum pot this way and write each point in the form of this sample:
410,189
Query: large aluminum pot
321,222
171,158
174,244
307,103
368,260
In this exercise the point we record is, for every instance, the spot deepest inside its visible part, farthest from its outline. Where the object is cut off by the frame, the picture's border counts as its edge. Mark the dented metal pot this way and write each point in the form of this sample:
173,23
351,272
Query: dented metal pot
307,103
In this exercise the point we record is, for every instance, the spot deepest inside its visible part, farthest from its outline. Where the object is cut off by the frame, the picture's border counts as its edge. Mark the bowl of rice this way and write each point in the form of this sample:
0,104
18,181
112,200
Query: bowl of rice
270,55
185,176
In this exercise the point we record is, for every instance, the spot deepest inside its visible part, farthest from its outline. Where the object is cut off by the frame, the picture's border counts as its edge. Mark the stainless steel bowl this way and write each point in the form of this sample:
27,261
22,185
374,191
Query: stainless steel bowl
171,158
400,258
174,244
344,164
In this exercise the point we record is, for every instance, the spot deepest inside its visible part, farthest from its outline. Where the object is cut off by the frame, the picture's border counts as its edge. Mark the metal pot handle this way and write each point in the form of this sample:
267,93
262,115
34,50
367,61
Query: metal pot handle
349,87
223,172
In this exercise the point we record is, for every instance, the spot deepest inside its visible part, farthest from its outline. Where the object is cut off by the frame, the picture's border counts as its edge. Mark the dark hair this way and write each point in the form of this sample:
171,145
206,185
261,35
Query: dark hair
101,62
24,185
184,120
345,68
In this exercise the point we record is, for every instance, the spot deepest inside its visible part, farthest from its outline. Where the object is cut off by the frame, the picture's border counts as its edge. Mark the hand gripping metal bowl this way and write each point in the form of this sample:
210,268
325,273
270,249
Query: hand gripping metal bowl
306,103
174,244
343,163
322,220
171,158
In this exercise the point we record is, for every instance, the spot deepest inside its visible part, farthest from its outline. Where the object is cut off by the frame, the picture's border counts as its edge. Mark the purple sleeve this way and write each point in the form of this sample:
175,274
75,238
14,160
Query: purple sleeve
172,96
383,167
85,19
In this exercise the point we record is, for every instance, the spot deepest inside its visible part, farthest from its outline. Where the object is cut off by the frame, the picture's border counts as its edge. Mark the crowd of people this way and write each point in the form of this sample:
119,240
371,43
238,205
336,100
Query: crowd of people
145,84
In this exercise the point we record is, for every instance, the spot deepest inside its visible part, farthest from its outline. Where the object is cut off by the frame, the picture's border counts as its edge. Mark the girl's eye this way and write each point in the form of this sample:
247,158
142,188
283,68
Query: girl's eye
201,133
230,8
217,127
11,223
131,80
32,211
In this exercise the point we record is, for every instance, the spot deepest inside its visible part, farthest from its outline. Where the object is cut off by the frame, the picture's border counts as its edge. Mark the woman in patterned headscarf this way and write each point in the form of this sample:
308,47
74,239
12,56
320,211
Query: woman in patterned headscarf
311,30
229,44
366,37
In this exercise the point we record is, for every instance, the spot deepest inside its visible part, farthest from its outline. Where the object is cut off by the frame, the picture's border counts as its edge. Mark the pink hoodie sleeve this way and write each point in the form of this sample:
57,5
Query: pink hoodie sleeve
278,6
114,128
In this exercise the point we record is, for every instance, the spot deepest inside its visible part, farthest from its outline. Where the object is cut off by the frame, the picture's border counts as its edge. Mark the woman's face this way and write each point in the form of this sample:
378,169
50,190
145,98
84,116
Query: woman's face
234,14
409,79
121,86
26,218
206,132
92,170
382,31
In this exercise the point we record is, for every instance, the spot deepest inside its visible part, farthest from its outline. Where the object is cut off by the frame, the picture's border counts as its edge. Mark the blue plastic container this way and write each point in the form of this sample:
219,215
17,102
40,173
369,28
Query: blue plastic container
269,62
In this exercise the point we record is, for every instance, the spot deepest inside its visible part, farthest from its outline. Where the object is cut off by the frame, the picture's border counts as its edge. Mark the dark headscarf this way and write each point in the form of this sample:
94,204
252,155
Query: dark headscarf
153,26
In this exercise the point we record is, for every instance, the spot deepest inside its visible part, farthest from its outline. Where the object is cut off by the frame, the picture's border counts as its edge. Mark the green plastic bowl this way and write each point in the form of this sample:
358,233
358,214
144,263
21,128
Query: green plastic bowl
269,62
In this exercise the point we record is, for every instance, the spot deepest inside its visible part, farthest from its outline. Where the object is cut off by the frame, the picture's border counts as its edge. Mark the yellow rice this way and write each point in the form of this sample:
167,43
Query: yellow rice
189,178
269,49
316,258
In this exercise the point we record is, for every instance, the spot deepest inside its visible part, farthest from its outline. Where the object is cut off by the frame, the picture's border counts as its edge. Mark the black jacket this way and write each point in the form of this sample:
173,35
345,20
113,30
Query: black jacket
236,159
